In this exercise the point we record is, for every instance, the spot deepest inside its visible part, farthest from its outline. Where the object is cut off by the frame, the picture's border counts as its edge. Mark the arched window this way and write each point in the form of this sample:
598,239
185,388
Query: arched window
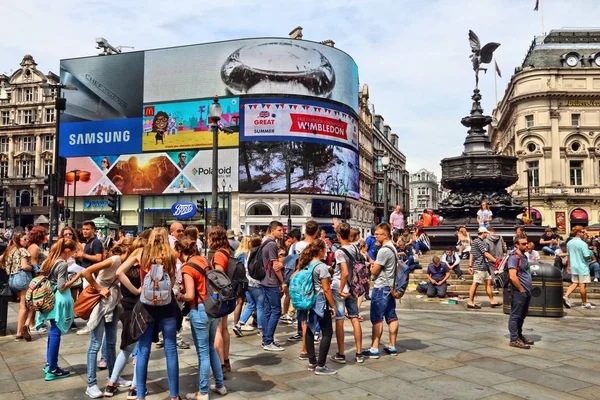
259,209
296,210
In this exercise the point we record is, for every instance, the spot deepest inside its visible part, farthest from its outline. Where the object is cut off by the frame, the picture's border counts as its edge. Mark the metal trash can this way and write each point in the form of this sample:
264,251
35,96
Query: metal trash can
547,293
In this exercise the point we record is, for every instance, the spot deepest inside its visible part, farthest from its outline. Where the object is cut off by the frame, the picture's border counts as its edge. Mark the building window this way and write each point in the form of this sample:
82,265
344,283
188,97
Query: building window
379,194
5,117
4,169
534,168
28,144
529,121
379,164
46,198
4,144
575,146
24,168
259,209
28,94
576,173
47,167
531,147
48,143
575,119
49,114
28,116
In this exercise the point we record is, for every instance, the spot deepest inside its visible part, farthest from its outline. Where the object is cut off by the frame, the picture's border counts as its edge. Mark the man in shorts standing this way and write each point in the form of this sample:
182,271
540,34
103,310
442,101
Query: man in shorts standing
480,268
577,251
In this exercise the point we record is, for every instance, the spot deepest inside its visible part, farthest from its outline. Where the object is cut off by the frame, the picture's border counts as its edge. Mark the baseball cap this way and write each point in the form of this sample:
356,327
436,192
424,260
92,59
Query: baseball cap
483,230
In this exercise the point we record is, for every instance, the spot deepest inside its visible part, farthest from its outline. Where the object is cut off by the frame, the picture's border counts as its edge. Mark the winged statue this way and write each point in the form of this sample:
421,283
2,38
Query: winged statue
480,55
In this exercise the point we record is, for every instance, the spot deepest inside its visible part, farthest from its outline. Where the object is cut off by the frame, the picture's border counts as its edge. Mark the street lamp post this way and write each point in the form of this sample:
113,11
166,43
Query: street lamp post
214,115
288,176
528,170
344,210
75,173
385,162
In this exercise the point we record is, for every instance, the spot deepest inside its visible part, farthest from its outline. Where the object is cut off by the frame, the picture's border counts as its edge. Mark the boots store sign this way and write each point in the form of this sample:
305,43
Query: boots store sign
183,210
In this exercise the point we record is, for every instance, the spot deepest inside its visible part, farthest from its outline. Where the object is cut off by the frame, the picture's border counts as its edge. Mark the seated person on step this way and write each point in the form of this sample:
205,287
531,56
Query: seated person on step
437,274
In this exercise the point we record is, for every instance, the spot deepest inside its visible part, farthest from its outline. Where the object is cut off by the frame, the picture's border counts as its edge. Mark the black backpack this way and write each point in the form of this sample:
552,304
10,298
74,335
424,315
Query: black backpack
220,297
236,272
256,268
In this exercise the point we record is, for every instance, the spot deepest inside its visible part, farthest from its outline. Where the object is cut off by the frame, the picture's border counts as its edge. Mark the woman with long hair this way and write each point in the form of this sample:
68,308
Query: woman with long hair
157,251
255,296
103,321
322,310
192,233
219,244
420,242
60,317
14,260
241,253
464,243
37,237
126,306
484,215
69,233
204,328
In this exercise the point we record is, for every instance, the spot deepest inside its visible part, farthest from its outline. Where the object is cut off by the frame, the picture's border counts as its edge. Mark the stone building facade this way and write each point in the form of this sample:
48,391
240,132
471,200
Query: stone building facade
550,119
27,130
424,193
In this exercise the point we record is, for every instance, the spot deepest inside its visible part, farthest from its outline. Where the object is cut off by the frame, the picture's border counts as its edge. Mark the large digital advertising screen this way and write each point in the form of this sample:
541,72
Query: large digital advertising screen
298,119
150,173
185,125
251,67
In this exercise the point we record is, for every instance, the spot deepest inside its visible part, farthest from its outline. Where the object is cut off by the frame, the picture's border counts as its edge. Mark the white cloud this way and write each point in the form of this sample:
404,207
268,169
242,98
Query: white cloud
413,54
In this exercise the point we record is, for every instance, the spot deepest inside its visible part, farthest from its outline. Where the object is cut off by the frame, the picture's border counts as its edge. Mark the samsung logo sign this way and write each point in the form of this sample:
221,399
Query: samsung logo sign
183,210
99,137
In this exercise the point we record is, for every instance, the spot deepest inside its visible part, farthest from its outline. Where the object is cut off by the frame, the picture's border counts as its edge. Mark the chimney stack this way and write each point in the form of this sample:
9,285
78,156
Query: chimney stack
296,33
328,42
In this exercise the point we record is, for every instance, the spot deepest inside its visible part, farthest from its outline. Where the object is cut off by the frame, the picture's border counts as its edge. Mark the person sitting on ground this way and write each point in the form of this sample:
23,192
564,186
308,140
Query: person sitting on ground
549,241
593,263
437,274
451,258
561,260
406,254
532,255
420,241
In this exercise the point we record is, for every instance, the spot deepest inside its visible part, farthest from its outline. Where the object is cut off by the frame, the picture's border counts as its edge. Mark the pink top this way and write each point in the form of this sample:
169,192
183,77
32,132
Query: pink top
397,220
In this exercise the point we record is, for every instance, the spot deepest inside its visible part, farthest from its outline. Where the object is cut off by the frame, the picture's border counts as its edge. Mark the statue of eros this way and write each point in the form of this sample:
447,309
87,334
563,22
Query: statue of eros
480,55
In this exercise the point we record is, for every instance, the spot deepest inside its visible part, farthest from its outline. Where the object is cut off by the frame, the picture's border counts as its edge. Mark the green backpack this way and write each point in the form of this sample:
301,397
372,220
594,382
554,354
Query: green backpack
40,295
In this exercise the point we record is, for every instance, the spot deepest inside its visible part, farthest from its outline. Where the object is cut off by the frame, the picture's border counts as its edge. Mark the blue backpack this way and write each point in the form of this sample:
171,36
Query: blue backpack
302,288
401,277
289,264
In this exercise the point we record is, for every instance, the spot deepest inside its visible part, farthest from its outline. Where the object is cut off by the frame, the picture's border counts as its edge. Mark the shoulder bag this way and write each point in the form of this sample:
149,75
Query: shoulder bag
87,300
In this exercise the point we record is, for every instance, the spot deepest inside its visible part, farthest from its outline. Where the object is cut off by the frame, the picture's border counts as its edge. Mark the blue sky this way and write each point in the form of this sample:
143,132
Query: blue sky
412,54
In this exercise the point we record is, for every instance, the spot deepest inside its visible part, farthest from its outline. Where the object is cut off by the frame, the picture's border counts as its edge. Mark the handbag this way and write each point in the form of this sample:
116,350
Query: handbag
20,281
87,301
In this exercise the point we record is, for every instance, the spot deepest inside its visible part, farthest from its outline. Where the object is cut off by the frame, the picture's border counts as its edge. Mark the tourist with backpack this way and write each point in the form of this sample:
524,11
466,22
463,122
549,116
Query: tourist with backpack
272,283
347,286
255,297
292,241
157,275
54,268
521,287
311,294
204,326
383,304
103,320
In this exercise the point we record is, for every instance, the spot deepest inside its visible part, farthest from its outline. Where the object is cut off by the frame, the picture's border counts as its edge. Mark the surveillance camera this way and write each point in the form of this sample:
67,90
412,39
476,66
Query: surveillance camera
101,41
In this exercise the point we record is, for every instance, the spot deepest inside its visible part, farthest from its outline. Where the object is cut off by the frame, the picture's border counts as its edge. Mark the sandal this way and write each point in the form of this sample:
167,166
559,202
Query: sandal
494,305
25,333
474,306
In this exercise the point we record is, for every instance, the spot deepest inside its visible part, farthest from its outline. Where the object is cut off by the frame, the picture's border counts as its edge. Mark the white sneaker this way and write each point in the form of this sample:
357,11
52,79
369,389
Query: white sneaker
588,306
247,328
123,383
273,347
595,279
42,329
222,390
94,392
83,331
566,302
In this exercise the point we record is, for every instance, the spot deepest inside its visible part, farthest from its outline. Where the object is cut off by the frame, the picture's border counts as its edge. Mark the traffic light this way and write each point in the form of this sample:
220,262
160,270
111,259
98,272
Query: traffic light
200,204
50,183
67,214
61,210
113,201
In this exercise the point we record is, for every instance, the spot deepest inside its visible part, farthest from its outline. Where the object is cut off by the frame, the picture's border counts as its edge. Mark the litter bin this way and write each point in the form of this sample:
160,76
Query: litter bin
547,293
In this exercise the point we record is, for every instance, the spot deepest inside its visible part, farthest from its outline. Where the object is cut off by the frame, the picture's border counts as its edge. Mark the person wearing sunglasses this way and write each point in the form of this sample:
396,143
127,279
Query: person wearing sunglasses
521,287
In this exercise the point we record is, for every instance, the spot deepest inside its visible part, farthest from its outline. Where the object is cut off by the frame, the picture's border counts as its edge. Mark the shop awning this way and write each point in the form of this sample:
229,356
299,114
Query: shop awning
41,220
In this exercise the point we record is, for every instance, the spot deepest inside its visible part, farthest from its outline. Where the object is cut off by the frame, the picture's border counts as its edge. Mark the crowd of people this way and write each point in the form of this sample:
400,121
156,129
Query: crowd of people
159,280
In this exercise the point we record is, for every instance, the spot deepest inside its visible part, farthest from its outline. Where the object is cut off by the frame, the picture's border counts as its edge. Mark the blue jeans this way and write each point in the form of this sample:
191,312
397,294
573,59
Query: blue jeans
549,250
518,311
595,270
420,246
255,297
272,312
120,363
436,291
97,335
383,305
204,329
168,327
53,345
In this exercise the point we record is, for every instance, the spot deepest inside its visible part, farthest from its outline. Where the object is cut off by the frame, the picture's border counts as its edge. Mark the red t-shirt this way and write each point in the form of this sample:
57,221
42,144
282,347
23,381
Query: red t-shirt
198,277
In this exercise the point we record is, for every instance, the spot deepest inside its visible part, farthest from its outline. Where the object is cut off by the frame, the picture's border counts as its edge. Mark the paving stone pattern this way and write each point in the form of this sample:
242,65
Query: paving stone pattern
446,354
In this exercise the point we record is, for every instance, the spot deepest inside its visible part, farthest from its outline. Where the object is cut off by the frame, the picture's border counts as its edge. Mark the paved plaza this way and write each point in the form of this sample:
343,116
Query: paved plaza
448,355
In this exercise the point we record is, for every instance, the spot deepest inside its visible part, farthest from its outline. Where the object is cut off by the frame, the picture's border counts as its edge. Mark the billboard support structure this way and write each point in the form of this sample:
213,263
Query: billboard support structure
288,173
215,113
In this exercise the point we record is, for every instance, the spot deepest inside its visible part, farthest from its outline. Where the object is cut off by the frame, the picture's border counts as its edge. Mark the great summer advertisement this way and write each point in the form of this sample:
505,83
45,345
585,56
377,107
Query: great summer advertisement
138,123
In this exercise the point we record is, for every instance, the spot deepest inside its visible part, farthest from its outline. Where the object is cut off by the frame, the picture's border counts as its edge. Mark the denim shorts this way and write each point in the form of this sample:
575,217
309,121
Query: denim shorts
342,304
383,305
